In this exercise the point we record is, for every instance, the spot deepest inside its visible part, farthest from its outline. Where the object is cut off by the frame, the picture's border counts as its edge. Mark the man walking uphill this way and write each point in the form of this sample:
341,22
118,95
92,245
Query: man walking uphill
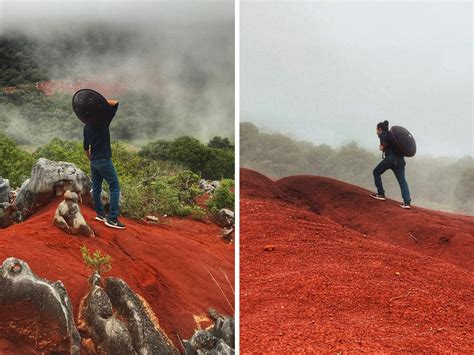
97,113
394,160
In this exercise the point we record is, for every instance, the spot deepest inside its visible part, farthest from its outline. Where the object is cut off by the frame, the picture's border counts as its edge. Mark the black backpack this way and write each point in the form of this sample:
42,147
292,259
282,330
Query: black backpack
92,108
403,140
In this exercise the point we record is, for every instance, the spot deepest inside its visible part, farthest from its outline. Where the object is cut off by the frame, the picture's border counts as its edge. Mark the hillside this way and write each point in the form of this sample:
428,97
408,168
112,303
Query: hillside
345,274
165,264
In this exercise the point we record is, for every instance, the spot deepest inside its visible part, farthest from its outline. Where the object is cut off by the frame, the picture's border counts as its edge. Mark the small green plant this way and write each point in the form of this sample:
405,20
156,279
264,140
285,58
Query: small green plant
223,197
97,261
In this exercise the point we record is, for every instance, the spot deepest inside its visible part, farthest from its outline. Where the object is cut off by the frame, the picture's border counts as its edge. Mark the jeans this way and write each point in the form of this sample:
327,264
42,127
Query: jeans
103,169
397,164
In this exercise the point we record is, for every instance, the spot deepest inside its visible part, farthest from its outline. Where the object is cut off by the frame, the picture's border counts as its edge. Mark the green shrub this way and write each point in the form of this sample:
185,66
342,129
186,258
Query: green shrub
158,150
170,194
223,197
198,213
15,164
137,200
176,194
213,161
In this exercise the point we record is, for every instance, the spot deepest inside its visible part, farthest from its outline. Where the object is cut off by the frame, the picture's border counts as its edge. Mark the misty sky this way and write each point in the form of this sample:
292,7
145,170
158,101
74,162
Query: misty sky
131,11
328,72
179,51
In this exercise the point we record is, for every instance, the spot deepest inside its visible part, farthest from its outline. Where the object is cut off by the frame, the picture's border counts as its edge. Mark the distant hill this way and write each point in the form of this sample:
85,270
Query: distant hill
437,183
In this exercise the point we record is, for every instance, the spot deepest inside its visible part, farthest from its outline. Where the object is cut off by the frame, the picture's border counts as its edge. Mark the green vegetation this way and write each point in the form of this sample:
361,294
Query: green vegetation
97,262
438,183
26,59
16,61
211,163
148,186
220,143
176,194
15,164
223,197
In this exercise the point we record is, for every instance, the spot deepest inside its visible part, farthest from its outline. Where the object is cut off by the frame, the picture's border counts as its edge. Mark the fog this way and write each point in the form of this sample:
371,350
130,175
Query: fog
327,72
180,53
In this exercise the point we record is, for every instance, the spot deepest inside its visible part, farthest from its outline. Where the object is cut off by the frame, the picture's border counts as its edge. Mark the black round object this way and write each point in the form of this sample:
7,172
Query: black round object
403,140
91,107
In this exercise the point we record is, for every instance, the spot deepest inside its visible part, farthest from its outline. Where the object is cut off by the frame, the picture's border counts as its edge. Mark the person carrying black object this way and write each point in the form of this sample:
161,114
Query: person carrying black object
394,160
98,150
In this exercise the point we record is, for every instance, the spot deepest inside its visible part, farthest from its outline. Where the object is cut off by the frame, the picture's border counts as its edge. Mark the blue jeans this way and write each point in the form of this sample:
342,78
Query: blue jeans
103,169
397,164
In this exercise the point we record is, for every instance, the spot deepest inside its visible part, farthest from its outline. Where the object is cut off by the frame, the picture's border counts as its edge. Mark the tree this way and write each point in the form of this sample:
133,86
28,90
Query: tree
158,150
219,143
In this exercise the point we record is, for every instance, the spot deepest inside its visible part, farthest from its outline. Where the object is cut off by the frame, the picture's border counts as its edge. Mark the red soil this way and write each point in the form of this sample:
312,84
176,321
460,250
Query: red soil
106,88
350,279
165,264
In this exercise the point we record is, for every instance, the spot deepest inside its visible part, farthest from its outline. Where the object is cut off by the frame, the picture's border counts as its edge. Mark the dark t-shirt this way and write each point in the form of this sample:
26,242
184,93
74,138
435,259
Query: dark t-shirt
98,140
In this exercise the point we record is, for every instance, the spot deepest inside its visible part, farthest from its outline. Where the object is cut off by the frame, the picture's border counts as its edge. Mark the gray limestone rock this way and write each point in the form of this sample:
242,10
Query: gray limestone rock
36,312
120,322
49,179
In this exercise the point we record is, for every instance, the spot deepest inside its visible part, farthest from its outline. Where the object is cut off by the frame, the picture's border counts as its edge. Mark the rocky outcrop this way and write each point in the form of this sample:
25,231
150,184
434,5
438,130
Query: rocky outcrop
225,218
35,313
68,216
49,179
8,215
208,186
4,190
120,322
224,327
219,339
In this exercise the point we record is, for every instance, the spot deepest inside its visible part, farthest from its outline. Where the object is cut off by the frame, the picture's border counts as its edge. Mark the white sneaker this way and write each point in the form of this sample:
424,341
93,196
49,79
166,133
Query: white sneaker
406,206
378,196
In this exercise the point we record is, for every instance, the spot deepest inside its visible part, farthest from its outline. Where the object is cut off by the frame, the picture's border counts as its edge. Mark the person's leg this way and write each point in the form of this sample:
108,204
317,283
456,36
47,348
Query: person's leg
382,167
399,171
108,172
97,189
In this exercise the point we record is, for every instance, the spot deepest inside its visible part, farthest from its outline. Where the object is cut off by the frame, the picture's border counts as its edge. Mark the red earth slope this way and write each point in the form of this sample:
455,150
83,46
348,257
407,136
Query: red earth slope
326,287
442,235
165,264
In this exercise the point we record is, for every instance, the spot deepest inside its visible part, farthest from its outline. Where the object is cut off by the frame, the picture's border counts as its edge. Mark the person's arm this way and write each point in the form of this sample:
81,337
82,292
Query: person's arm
113,110
384,142
86,145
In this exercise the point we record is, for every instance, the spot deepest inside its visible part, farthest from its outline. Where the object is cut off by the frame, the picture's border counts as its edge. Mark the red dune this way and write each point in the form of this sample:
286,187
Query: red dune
166,264
345,275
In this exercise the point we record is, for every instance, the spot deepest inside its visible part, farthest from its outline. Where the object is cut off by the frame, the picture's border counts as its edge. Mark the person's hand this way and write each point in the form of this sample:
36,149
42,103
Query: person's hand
381,147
